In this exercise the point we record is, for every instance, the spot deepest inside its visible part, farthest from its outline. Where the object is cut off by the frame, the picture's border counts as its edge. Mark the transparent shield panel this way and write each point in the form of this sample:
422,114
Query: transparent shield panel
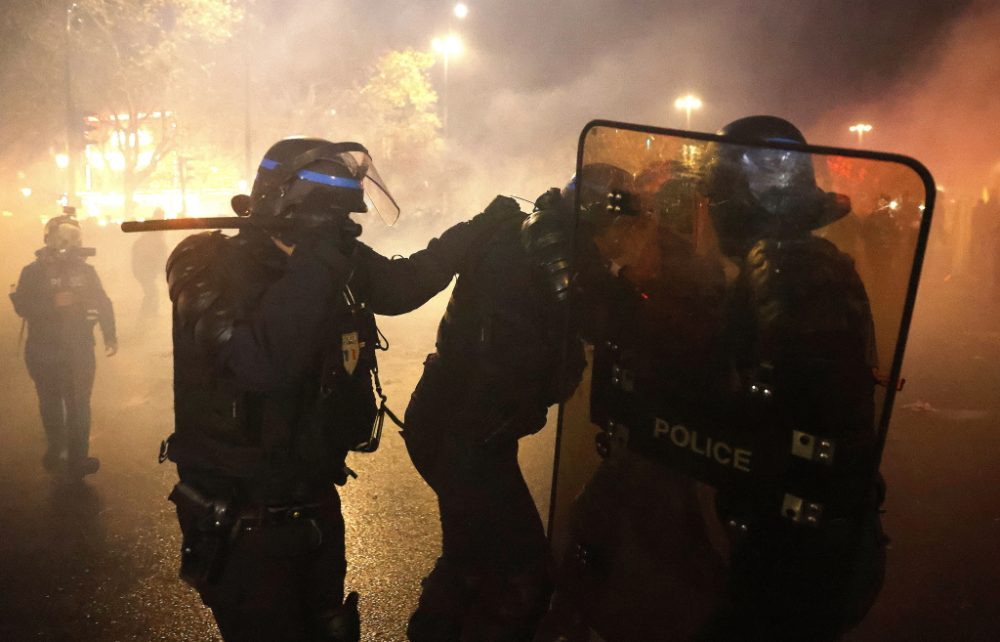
743,349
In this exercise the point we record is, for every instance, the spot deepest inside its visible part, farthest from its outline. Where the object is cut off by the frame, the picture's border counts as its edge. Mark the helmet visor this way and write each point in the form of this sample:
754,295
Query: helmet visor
377,194
769,169
339,166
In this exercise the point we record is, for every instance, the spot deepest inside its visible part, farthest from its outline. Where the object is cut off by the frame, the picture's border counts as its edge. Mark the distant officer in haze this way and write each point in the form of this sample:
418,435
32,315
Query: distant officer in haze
149,254
60,297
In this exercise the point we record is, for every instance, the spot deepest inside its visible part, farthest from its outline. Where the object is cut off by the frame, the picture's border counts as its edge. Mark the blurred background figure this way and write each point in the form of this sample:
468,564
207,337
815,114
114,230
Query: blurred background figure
60,298
149,255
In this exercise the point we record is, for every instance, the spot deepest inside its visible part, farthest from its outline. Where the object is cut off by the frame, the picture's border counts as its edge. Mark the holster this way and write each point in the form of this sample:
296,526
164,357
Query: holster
209,528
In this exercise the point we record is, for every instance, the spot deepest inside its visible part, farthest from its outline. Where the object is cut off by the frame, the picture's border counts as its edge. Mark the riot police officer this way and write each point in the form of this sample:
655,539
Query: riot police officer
149,252
734,328
60,297
501,347
799,321
274,367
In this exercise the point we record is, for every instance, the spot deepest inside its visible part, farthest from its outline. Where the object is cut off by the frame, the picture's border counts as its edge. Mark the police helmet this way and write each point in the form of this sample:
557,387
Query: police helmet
308,177
756,192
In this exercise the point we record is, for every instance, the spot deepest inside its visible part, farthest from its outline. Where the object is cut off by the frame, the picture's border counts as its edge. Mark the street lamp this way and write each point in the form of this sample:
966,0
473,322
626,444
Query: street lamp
860,129
71,123
688,104
461,10
449,46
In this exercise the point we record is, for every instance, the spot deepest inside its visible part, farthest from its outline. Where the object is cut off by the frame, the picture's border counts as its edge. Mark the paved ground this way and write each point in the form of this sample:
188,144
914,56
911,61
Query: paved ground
98,561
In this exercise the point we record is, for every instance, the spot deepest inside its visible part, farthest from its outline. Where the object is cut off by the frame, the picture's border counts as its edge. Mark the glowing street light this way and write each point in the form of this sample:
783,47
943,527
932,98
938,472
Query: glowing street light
461,10
688,104
62,161
449,46
860,129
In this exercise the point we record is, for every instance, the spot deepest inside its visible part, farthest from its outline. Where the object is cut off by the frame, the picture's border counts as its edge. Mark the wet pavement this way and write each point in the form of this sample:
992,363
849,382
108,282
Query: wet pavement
942,469
98,560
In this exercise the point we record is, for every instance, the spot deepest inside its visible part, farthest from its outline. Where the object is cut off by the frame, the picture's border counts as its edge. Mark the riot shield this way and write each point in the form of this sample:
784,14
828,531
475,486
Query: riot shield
716,472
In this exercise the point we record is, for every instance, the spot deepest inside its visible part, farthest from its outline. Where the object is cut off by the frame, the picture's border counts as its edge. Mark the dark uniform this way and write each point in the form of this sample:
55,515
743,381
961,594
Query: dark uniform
60,297
491,381
274,361
149,252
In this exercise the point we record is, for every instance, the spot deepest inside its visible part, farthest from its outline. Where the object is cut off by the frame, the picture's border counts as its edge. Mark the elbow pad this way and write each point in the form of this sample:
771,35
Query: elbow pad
547,238
197,289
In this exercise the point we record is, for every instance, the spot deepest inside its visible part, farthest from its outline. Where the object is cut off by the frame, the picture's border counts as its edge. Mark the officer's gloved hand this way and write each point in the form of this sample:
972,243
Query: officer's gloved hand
502,210
110,348
329,236
550,200
460,243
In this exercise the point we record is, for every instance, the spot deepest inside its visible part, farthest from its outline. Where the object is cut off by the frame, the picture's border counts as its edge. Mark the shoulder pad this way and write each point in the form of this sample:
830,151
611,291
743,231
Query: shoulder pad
547,238
192,257
197,287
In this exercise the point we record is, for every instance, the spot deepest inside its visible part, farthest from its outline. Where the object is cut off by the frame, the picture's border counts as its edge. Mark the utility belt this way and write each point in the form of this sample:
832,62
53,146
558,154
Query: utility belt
211,526
268,516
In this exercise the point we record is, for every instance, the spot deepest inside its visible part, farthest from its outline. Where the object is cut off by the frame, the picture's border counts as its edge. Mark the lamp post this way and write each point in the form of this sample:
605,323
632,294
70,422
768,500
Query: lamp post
446,47
687,104
860,129
71,124
449,46
248,168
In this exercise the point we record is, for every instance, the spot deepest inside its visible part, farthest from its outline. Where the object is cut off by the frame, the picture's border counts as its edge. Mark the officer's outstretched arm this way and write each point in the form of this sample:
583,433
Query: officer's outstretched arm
269,345
401,285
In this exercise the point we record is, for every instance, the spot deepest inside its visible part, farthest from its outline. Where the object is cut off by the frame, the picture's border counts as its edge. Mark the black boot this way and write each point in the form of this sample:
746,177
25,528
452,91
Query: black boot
344,624
79,468
52,459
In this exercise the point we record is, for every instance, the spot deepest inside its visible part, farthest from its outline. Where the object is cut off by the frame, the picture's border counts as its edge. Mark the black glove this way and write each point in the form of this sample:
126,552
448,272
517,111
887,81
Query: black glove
324,234
550,200
462,241
503,209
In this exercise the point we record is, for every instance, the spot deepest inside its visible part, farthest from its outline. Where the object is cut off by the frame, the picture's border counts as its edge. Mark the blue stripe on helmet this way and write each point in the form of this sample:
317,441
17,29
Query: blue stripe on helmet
267,163
778,139
326,179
